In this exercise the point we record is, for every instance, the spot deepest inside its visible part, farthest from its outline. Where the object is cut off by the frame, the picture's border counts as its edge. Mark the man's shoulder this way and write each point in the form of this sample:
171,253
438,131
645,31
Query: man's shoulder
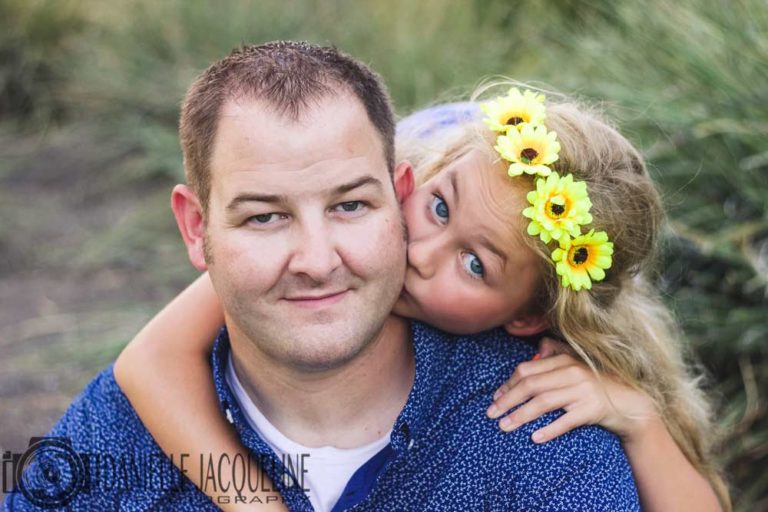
104,458
484,360
494,346
479,364
100,410
495,351
588,460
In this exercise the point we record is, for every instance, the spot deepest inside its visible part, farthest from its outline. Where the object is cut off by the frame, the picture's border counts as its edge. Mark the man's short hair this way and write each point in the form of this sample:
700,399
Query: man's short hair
289,76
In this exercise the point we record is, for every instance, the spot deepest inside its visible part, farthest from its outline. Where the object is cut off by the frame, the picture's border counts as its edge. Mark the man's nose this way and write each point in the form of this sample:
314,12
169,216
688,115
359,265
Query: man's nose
424,255
315,254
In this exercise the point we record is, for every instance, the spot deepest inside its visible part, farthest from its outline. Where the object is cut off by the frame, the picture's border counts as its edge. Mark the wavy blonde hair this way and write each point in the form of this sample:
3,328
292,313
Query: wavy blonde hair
620,327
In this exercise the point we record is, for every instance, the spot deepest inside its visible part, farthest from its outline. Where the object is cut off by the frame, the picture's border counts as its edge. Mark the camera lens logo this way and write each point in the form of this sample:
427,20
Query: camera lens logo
50,473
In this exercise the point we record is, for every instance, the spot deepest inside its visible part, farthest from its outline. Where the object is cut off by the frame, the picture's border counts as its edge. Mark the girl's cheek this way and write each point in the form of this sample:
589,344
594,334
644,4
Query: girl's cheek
411,218
470,311
447,300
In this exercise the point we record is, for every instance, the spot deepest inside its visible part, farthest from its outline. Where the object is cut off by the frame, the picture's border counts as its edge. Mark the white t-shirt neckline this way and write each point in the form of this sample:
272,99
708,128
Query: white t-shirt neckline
328,469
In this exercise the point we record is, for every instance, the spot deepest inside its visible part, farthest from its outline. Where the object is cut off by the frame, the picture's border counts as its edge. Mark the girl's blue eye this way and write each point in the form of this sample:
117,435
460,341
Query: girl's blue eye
439,207
473,265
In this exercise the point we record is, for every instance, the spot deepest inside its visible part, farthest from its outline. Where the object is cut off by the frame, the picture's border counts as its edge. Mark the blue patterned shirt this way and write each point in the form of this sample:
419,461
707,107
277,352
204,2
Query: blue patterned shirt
444,454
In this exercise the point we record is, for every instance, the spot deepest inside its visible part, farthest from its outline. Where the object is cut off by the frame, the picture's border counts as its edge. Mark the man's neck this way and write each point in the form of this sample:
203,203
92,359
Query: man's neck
346,407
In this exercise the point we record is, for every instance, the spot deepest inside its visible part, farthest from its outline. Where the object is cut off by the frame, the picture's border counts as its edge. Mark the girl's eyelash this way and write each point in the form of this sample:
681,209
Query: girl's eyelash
441,220
471,274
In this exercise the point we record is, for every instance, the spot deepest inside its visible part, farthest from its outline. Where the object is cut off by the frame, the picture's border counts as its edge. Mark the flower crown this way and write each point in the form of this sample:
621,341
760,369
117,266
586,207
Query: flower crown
559,206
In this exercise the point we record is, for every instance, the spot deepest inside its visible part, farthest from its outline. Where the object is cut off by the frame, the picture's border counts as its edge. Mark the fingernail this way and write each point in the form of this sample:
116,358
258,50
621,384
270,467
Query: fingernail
493,411
536,357
497,394
507,424
537,437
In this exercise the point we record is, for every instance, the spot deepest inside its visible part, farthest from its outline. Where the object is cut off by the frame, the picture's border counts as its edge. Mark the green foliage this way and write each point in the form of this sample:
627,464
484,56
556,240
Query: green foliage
685,79
35,38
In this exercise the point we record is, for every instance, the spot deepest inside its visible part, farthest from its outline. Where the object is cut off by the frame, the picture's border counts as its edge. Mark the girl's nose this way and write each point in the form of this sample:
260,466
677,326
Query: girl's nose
423,256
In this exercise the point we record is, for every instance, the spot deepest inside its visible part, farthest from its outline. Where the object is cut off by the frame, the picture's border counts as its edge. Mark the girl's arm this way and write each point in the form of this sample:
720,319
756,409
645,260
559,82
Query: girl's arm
165,373
665,479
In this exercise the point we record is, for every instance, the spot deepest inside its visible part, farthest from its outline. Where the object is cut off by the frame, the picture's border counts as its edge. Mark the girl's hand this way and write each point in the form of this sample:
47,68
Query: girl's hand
554,379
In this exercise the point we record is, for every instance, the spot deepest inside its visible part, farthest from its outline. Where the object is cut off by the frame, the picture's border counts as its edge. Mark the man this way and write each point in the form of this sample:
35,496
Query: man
293,208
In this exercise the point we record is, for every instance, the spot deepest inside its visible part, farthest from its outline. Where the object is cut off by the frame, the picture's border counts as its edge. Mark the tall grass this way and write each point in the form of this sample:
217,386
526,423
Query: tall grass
686,79
35,48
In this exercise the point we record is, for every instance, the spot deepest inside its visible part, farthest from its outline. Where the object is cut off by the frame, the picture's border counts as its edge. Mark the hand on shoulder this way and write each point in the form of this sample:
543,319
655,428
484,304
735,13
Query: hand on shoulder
555,379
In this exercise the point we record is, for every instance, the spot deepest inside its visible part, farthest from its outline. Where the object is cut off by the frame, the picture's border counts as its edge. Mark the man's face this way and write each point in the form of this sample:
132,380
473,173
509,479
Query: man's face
305,239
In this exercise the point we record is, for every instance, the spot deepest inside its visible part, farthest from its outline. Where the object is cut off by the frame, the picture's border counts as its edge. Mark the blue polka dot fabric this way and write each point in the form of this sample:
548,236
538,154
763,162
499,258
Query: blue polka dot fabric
445,454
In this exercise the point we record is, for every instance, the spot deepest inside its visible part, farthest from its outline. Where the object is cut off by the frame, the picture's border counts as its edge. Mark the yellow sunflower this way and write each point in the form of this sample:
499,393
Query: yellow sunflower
514,109
584,259
530,150
560,206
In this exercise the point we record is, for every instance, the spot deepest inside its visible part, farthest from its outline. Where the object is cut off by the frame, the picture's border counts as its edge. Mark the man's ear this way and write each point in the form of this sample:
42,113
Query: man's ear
189,217
403,180
527,325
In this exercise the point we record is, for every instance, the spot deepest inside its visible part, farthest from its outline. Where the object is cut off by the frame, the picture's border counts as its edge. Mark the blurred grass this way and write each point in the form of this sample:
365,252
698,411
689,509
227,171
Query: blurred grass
34,52
686,79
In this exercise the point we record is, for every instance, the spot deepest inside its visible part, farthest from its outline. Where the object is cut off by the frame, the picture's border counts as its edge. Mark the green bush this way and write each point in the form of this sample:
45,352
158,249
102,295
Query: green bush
35,39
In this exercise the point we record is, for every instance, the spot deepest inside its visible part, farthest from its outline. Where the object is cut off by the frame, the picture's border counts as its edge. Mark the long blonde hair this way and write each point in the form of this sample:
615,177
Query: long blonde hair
620,326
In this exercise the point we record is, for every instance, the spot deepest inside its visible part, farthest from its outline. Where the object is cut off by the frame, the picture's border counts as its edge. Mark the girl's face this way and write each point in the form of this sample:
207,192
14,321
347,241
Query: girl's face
468,268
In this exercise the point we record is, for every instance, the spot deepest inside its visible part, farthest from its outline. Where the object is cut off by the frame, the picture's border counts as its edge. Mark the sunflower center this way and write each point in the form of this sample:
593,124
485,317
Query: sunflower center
556,210
514,121
580,255
528,154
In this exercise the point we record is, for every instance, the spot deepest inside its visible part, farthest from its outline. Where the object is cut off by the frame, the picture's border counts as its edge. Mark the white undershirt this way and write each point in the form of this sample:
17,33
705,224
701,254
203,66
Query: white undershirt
327,469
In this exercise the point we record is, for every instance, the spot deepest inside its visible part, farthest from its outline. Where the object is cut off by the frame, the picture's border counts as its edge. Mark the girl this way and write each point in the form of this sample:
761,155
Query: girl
537,218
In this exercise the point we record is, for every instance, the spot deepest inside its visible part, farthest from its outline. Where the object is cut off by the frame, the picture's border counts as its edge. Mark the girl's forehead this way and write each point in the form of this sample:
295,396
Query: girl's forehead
485,178
492,202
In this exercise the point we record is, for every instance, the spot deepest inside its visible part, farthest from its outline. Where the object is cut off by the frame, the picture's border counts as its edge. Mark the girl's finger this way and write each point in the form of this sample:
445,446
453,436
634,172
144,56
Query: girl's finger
538,405
529,368
531,385
565,423
550,347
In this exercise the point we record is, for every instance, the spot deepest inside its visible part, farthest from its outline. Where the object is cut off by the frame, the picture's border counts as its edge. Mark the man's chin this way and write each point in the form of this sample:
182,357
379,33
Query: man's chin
322,358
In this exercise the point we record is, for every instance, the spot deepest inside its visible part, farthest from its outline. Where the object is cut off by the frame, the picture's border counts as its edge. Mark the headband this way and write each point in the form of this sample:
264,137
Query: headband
559,206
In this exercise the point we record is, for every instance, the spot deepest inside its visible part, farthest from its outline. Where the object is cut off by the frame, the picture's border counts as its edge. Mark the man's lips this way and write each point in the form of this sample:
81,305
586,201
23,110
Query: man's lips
316,301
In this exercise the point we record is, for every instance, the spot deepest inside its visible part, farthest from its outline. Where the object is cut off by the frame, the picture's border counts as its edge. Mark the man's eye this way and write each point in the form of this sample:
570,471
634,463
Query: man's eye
264,218
439,208
473,265
351,206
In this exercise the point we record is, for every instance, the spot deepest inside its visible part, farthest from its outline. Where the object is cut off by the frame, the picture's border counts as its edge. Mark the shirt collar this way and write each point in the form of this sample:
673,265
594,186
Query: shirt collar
410,423
418,413
282,478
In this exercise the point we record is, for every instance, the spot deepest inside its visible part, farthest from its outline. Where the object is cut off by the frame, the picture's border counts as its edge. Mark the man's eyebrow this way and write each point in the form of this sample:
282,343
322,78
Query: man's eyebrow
251,197
360,182
278,198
